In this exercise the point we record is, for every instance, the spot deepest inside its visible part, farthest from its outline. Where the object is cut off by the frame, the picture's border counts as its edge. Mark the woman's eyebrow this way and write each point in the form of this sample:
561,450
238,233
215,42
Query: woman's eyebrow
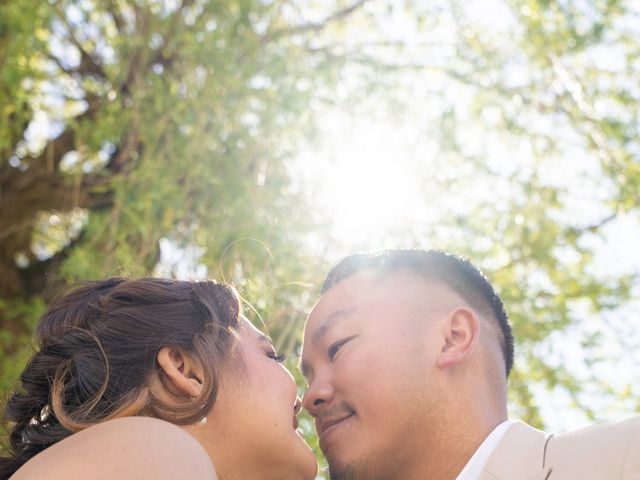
262,338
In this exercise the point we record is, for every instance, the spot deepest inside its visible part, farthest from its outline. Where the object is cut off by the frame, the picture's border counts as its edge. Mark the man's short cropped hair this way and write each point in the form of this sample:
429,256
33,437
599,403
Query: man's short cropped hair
456,272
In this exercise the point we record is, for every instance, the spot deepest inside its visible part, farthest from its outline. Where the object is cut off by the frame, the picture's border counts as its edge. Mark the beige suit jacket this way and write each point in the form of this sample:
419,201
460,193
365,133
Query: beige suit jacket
603,452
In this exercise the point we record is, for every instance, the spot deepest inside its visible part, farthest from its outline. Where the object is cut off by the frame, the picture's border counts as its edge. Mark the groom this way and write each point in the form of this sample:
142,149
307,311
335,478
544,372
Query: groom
407,355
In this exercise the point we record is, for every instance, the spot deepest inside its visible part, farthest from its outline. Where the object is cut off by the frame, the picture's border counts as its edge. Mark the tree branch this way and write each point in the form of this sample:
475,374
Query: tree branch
39,275
162,56
592,228
68,71
88,64
314,26
116,15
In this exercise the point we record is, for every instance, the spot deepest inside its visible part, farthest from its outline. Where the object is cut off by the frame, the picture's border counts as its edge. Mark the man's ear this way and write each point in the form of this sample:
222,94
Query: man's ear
460,337
183,373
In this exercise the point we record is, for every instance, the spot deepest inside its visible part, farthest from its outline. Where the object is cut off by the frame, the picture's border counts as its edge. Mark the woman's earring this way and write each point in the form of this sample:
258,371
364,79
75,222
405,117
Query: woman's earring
203,421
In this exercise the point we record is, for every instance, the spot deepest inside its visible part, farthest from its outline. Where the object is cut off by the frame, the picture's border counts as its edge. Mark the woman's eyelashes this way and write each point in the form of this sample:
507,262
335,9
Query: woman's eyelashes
332,351
278,357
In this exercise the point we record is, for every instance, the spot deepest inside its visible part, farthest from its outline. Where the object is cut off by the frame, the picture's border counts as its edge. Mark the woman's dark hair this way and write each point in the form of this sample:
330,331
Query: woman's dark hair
96,358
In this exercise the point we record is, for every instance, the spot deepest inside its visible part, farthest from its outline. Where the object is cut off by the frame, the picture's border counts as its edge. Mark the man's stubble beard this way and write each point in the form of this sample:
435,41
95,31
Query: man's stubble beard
353,471
344,473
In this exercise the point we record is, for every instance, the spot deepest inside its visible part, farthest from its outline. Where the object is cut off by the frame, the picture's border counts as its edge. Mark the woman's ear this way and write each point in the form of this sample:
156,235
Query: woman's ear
181,370
461,335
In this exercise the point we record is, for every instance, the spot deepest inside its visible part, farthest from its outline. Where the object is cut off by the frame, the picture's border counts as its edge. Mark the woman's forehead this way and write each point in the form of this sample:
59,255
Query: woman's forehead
249,330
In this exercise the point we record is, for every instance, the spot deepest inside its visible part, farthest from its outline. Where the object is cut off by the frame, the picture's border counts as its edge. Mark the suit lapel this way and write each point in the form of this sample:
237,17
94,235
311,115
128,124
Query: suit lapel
519,455
543,474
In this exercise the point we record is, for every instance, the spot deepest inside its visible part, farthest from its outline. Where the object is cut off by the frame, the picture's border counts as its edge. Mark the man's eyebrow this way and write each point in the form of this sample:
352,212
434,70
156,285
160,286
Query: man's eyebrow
265,339
330,322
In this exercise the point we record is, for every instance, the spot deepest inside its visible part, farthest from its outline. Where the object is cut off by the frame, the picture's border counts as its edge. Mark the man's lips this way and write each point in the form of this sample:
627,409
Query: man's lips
323,425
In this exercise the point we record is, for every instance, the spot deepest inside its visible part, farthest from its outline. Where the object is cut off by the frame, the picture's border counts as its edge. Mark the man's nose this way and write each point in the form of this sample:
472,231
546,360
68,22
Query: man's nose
319,394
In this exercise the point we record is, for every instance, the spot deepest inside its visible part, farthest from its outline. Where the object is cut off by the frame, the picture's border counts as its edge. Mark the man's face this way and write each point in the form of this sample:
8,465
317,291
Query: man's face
369,355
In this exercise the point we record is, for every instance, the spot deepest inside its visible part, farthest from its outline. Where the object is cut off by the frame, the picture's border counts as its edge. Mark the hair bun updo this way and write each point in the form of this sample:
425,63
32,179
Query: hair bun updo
96,357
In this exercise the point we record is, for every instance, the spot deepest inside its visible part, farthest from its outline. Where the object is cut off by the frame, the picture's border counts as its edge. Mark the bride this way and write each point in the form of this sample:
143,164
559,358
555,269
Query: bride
154,379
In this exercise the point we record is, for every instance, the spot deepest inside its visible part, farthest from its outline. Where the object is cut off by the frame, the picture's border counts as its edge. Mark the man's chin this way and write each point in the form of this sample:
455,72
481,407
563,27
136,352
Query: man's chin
344,470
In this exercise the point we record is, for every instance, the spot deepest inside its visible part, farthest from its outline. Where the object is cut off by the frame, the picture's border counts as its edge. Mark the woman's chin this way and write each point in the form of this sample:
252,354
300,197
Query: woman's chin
309,470
306,460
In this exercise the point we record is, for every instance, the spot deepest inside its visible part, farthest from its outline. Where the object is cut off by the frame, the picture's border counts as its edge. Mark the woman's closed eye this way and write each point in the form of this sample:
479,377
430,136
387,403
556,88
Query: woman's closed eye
332,351
278,357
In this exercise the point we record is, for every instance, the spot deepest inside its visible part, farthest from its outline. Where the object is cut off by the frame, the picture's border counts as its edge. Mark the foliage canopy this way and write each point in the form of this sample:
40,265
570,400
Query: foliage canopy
161,137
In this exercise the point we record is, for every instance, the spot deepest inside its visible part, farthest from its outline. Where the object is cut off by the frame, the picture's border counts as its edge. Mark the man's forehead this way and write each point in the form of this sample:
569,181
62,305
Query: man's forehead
339,300
347,296
356,285
366,289
370,283
327,322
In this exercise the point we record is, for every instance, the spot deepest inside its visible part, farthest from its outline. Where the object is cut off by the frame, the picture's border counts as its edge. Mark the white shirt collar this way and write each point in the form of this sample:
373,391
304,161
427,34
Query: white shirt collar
477,462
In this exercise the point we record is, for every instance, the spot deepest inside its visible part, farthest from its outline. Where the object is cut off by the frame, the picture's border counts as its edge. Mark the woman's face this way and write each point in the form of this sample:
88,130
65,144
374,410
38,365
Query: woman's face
253,419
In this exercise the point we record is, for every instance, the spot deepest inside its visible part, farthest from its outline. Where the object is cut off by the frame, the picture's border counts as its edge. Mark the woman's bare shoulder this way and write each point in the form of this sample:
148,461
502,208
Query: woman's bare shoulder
132,447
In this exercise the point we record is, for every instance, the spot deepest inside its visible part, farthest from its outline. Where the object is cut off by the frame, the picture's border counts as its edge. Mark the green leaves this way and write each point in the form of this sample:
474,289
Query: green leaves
182,126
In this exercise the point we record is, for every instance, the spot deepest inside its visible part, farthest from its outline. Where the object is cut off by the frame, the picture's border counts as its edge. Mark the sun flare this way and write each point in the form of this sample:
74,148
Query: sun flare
369,183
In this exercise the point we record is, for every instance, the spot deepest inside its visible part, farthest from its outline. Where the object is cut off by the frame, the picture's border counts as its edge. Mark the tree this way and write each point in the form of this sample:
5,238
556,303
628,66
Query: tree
126,123
131,131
